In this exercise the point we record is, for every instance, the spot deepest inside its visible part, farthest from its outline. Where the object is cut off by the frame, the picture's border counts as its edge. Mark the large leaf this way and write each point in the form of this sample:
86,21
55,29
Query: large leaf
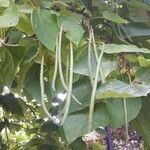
6,67
118,89
4,3
76,124
32,82
139,15
136,29
74,31
142,78
142,122
138,4
81,65
17,53
10,17
113,48
114,17
82,91
116,110
25,24
45,26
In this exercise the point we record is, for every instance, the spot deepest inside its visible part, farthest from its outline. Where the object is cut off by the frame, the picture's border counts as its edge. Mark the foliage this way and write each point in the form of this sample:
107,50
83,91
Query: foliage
118,31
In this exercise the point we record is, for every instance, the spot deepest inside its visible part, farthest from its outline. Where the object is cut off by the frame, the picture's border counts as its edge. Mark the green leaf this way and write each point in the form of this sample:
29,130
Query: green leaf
144,62
116,110
72,28
4,3
78,144
118,89
113,48
14,35
46,27
25,24
142,122
114,17
139,15
76,124
82,91
6,67
10,17
25,65
138,4
137,29
81,65
142,79
32,82
17,53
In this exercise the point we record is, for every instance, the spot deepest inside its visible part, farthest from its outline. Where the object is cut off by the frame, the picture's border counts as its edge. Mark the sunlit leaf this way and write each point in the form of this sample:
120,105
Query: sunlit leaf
10,17
113,48
118,89
74,31
45,26
4,3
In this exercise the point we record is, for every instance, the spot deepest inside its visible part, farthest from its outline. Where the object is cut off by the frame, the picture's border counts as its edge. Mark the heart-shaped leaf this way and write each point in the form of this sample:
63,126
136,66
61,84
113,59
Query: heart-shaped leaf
76,124
46,27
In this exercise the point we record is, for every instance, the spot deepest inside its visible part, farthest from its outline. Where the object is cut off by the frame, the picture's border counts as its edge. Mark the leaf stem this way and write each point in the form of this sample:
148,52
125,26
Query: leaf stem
92,102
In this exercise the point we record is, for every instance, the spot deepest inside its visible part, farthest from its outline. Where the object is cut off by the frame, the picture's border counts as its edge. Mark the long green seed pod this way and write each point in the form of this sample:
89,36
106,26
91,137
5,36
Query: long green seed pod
69,92
42,89
59,60
60,66
89,59
96,56
56,67
94,45
126,118
92,102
